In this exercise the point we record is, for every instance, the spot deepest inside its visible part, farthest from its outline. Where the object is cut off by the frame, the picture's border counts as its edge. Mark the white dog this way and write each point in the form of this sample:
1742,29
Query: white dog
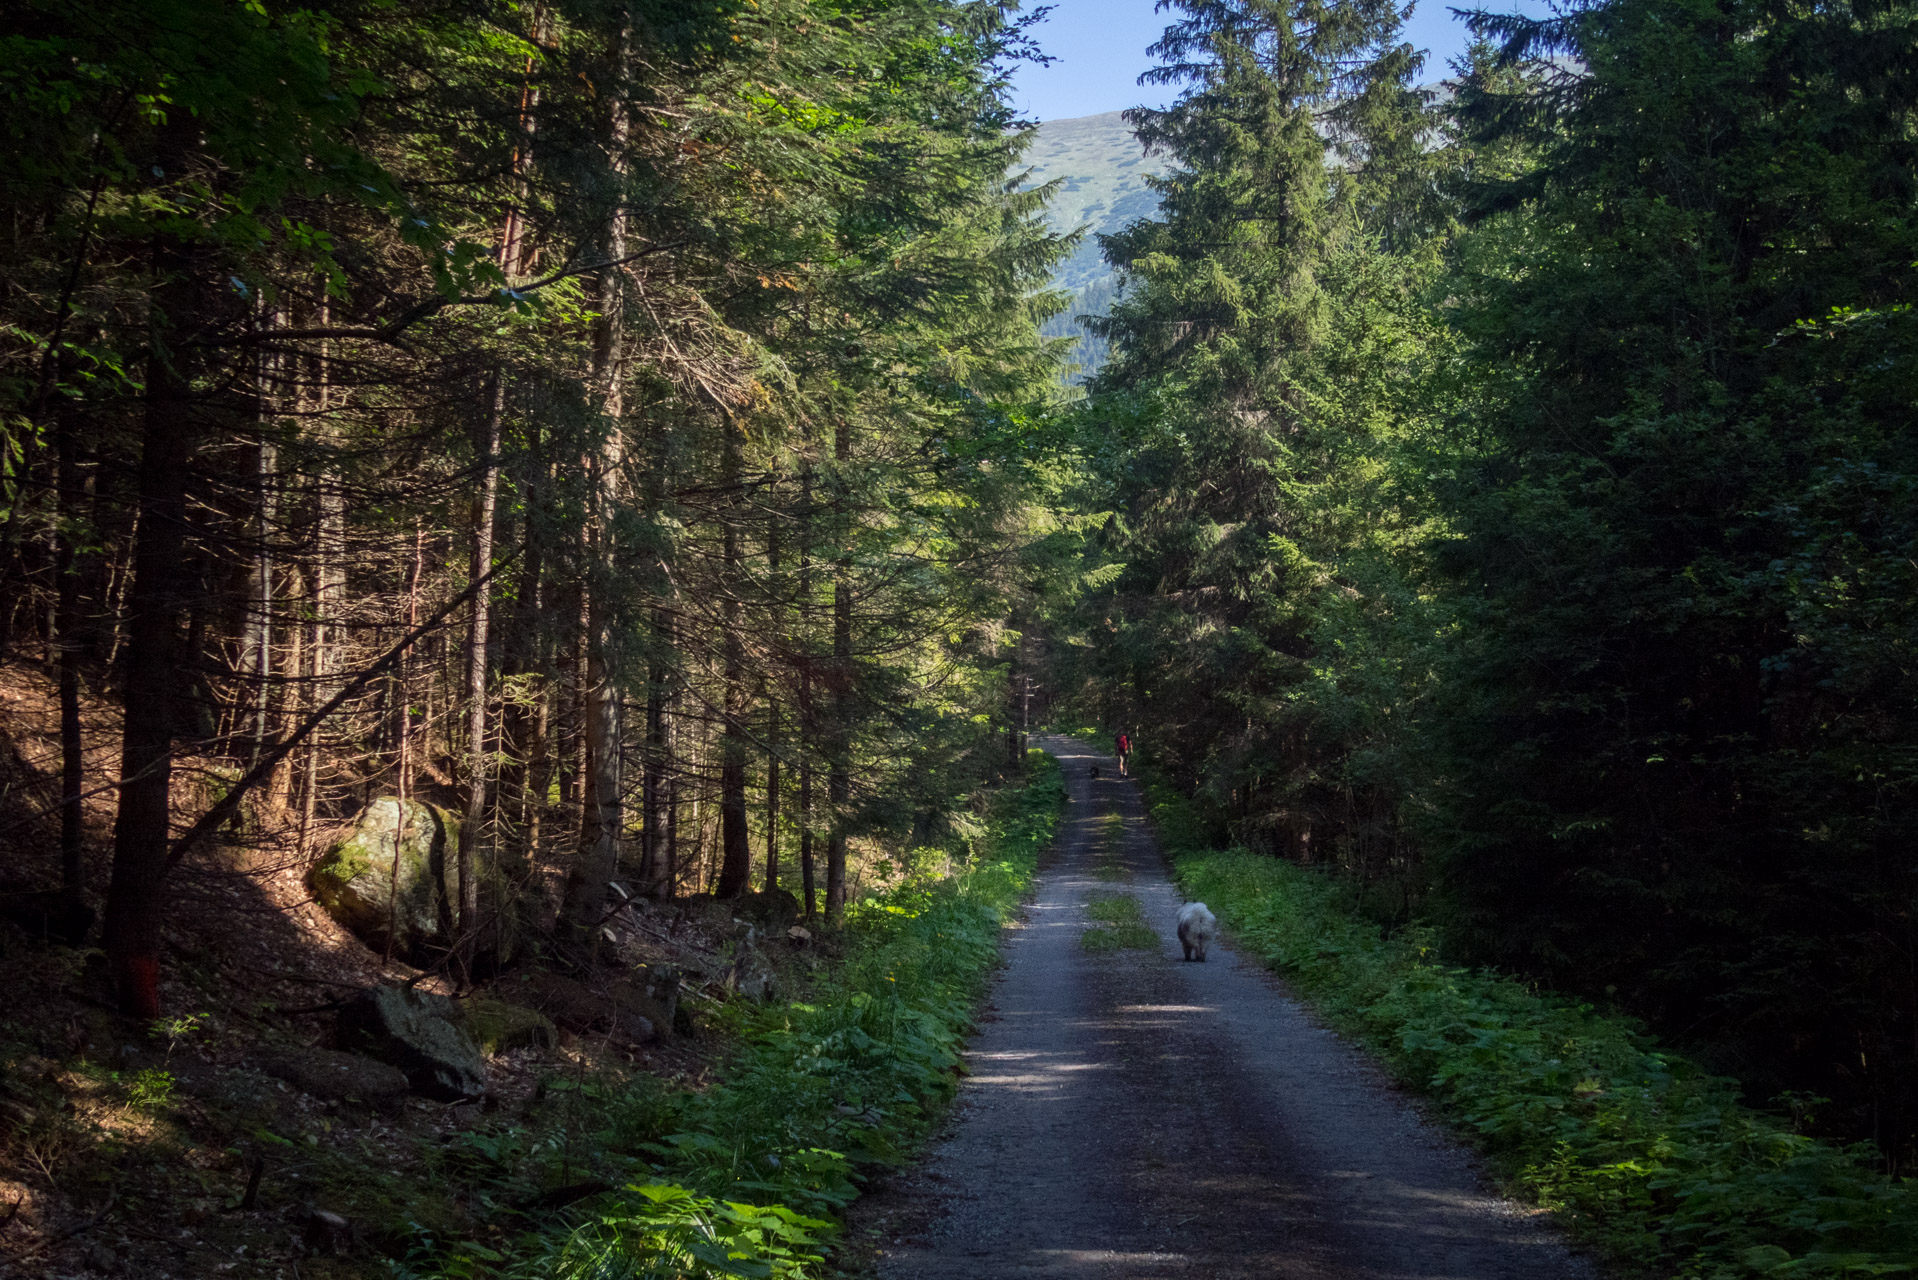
1197,927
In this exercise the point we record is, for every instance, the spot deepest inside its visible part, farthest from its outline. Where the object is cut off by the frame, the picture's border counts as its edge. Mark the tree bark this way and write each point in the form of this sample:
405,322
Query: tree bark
476,640
736,859
170,436
76,918
839,775
1015,668
807,888
772,723
329,582
569,694
524,779
808,725
403,761
259,623
671,801
839,765
598,856
654,883
772,794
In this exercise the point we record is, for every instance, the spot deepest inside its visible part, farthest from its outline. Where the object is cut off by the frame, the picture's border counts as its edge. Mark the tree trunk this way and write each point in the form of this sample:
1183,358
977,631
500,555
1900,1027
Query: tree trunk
169,439
672,798
807,888
772,723
654,884
523,778
73,872
808,719
569,696
598,856
736,859
259,624
403,761
329,584
476,638
772,794
839,765
1015,668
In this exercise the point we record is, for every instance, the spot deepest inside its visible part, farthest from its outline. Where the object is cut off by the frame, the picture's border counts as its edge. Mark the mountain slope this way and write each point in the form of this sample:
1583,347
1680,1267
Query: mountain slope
1102,172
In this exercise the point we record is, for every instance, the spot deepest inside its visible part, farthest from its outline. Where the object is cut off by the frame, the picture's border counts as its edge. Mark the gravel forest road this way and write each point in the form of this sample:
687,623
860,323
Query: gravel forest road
1130,1116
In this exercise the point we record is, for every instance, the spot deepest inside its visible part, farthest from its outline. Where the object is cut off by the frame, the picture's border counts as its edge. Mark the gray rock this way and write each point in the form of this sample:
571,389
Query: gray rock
660,983
327,1233
417,1032
752,975
355,880
333,1076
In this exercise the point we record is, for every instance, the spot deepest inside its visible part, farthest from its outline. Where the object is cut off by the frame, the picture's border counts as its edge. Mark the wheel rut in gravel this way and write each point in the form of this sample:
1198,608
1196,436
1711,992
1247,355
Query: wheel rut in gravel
1131,1116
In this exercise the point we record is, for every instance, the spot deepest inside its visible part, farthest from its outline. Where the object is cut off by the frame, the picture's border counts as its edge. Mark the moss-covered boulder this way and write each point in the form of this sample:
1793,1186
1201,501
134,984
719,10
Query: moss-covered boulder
356,882
499,1027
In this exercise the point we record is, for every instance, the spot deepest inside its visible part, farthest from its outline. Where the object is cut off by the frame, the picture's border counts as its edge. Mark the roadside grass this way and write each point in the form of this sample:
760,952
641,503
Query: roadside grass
1108,857
746,1178
1122,927
1124,937
1115,908
1641,1152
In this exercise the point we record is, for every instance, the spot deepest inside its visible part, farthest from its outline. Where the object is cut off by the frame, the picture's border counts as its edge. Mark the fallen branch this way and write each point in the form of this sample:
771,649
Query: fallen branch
61,1237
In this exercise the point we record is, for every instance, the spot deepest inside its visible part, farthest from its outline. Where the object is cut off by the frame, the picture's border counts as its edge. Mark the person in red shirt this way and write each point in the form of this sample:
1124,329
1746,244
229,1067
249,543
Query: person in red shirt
1125,749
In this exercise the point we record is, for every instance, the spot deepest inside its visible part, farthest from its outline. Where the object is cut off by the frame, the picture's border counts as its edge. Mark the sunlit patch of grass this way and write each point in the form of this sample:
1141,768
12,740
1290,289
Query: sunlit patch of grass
1123,926
1119,937
1108,858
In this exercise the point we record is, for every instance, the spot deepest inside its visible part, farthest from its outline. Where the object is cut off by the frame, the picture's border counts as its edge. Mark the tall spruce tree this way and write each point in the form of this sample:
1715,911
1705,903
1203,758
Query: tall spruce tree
1681,715
1259,351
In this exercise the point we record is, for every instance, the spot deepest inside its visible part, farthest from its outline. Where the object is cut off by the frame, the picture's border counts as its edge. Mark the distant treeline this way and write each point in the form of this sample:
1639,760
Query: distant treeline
1089,347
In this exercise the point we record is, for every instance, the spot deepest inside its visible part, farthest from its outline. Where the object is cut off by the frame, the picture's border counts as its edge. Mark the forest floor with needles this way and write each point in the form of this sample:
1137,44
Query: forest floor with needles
193,1149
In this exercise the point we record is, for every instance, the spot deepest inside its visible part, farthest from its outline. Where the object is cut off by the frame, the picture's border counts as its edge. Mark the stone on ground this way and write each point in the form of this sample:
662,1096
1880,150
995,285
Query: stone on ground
416,1031
333,1076
355,879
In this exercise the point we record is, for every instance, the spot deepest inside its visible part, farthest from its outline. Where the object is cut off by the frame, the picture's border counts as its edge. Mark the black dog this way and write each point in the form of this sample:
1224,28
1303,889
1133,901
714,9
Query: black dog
1095,772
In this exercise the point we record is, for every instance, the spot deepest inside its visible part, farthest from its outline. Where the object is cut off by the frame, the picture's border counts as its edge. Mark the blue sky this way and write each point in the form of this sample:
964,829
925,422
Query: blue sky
1100,46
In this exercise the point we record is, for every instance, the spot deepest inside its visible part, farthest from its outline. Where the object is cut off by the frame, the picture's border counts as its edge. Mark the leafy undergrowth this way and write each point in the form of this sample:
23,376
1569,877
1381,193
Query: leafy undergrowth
1639,1150
745,1178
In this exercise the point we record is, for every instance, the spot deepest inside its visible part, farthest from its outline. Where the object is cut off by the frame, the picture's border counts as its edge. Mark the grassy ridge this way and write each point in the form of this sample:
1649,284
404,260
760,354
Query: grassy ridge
743,1180
1643,1153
